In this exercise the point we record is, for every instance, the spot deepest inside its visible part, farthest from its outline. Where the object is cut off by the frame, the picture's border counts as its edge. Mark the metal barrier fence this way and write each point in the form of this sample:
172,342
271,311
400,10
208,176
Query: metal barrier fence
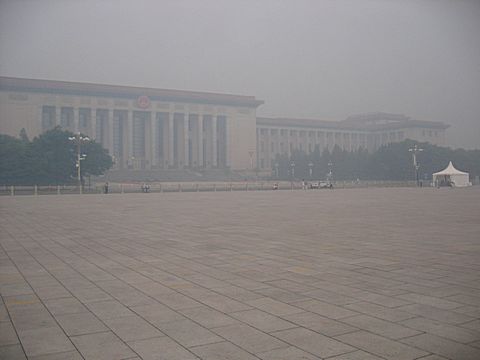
168,187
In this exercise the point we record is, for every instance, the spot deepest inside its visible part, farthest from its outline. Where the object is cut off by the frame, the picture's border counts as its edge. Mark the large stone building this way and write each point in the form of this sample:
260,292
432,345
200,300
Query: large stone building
145,128
142,128
278,136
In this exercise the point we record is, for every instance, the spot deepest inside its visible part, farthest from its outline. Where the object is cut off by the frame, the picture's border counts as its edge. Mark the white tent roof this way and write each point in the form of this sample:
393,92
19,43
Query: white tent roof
450,170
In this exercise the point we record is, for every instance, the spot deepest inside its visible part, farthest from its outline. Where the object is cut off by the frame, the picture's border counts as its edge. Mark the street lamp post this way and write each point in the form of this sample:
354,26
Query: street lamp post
416,166
250,153
310,169
78,139
330,174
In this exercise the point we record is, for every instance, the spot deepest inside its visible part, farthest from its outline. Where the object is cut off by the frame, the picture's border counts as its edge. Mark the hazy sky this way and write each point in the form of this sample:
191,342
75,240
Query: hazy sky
324,59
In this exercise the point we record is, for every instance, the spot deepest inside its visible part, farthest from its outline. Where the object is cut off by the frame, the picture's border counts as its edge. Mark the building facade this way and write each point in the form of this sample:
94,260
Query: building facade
282,136
149,129
141,128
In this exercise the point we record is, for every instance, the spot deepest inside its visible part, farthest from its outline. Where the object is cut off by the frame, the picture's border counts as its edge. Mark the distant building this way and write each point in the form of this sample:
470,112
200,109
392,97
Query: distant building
145,128
280,136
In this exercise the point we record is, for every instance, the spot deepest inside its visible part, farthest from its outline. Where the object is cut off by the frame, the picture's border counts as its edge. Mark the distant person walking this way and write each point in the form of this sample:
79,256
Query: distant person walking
105,188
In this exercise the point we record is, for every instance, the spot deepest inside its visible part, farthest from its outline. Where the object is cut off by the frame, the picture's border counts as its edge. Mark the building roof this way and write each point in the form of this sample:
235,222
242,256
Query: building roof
116,91
364,122
307,123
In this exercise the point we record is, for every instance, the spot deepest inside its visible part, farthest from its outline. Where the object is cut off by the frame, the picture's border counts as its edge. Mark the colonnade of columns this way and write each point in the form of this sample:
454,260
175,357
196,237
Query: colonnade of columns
149,139
277,141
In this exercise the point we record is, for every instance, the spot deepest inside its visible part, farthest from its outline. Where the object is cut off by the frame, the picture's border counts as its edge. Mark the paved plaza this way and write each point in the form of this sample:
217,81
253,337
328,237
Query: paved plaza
348,274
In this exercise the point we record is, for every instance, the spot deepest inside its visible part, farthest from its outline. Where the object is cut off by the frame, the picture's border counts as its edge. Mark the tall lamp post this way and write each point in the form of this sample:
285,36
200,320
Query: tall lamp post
250,153
310,169
416,166
330,174
78,140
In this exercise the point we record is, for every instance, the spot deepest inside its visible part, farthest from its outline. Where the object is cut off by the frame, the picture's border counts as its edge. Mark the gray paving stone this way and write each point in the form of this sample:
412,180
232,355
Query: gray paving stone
274,307
324,309
358,355
162,348
249,338
102,346
434,313
448,331
313,342
443,347
177,301
52,292
32,319
381,312
8,335
80,323
430,300
21,303
237,293
3,312
381,346
70,355
281,295
262,320
222,351
132,328
208,317
290,353
188,333
12,352
44,341
17,288
382,327
64,306
472,325
109,309
223,303
319,323
157,313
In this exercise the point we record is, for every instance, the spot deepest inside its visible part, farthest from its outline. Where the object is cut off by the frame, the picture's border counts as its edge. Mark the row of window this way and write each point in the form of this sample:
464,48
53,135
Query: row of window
394,135
310,146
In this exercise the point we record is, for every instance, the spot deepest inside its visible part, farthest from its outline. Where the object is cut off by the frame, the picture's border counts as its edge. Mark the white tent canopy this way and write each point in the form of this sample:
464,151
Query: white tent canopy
451,176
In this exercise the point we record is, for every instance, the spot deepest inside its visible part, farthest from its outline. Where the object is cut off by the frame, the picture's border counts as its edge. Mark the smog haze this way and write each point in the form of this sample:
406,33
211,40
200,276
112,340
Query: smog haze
306,59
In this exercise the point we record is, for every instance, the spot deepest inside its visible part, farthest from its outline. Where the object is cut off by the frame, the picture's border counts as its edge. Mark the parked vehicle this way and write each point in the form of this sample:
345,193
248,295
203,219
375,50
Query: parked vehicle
319,185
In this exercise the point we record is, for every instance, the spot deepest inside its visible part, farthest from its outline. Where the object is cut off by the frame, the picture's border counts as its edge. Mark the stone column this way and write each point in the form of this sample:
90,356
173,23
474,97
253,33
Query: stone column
200,140
75,120
186,120
153,143
147,145
227,141
58,115
268,148
129,135
214,141
110,131
93,123
39,125
170,139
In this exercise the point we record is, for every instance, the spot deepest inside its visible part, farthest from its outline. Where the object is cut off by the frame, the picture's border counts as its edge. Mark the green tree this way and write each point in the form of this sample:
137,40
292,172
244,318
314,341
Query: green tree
97,160
13,161
48,159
